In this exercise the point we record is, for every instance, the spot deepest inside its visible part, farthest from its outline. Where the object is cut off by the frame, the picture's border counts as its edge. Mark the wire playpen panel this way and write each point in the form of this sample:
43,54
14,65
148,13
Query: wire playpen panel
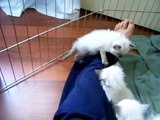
28,44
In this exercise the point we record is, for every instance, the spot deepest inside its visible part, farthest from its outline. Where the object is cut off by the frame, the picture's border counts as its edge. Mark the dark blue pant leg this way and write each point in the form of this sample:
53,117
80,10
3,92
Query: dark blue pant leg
83,97
75,71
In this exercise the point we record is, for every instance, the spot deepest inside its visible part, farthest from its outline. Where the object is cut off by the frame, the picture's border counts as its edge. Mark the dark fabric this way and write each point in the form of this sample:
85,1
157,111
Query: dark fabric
83,97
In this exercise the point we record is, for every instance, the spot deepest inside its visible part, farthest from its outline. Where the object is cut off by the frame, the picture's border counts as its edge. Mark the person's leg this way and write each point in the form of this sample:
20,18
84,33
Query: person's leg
83,97
74,73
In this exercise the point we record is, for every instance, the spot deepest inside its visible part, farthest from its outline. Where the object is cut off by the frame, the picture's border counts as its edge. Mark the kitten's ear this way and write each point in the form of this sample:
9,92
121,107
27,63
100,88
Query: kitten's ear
98,72
132,45
117,47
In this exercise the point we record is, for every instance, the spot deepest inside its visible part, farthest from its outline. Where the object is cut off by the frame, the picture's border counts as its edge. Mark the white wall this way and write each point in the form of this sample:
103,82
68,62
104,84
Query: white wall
144,12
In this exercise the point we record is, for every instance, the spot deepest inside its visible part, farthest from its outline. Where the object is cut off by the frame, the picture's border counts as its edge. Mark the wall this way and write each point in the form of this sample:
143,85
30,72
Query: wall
144,12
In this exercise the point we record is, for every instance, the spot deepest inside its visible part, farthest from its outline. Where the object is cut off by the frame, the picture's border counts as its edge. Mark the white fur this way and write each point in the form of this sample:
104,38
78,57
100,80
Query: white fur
126,106
155,117
112,81
130,109
100,41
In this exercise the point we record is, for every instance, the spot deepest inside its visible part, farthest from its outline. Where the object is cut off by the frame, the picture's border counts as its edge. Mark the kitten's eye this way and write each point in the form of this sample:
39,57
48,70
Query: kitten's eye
131,45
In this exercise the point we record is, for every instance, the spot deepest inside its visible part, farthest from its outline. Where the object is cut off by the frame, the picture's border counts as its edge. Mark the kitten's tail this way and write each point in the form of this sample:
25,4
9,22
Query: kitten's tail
73,49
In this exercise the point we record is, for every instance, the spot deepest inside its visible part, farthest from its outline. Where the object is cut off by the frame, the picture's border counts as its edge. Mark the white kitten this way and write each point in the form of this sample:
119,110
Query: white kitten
155,117
130,109
101,41
112,81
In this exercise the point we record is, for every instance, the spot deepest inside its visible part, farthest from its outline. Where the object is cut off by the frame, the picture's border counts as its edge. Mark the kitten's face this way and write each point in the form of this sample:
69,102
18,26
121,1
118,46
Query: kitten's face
128,109
111,76
121,47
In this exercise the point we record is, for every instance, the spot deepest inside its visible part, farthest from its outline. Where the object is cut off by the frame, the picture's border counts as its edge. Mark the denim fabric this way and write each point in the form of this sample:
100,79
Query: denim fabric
83,97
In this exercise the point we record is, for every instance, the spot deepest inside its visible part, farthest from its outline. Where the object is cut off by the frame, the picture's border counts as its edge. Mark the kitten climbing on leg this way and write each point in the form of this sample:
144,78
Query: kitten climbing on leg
101,41
130,109
112,82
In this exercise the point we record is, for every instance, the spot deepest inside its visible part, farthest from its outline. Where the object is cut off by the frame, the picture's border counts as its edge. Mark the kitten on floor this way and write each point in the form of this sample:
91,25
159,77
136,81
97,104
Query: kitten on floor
101,41
112,81
130,109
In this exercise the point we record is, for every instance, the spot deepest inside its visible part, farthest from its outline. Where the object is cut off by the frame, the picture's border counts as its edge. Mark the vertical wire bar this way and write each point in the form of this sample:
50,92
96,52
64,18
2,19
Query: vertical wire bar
98,9
72,8
123,9
72,13
3,77
103,3
55,29
78,17
79,14
39,41
108,9
28,35
15,32
148,17
10,61
158,21
137,10
130,8
91,16
136,27
102,9
47,29
64,26
84,19
143,12
154,13
157,24
115,10
78,20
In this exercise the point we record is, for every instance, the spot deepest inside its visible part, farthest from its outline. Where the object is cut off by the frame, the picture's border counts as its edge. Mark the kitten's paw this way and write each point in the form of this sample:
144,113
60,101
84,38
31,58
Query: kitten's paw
78,60
105,63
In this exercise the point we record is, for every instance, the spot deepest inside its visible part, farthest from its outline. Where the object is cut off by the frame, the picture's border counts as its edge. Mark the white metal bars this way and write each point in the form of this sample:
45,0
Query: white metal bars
145,13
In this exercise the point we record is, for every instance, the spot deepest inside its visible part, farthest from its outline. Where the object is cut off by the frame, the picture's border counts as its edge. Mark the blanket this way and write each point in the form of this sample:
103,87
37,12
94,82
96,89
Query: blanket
143,70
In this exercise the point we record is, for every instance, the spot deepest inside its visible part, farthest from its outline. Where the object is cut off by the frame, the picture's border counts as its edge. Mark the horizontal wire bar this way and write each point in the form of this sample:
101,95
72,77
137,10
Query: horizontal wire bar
51,29
111,10
50,61
38,69
42,33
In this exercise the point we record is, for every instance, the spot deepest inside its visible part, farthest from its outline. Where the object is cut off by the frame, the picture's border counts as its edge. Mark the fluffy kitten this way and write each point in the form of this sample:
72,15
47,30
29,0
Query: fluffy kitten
112,81
101,41
155,117
130,109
